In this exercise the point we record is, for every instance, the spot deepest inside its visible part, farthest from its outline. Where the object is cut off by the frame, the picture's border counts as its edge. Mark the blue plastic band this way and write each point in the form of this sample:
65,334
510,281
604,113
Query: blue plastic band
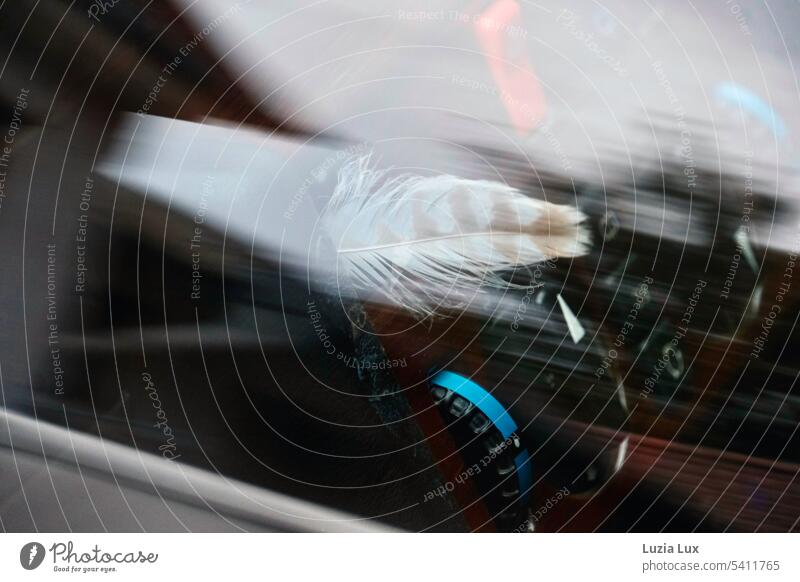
495,412
740,96
524,472
484,401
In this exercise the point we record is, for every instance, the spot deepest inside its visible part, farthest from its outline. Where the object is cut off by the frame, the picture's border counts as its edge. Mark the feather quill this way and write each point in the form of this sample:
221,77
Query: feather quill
429,244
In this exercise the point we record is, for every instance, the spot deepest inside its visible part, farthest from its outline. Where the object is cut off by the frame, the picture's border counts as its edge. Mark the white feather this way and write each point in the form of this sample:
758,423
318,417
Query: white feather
428,242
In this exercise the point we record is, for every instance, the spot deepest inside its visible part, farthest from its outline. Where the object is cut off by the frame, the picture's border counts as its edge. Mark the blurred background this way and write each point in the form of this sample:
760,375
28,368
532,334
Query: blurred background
177,352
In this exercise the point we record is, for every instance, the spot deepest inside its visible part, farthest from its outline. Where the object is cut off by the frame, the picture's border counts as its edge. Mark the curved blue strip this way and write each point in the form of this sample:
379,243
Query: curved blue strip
741,96
484,401
524,473
495,412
